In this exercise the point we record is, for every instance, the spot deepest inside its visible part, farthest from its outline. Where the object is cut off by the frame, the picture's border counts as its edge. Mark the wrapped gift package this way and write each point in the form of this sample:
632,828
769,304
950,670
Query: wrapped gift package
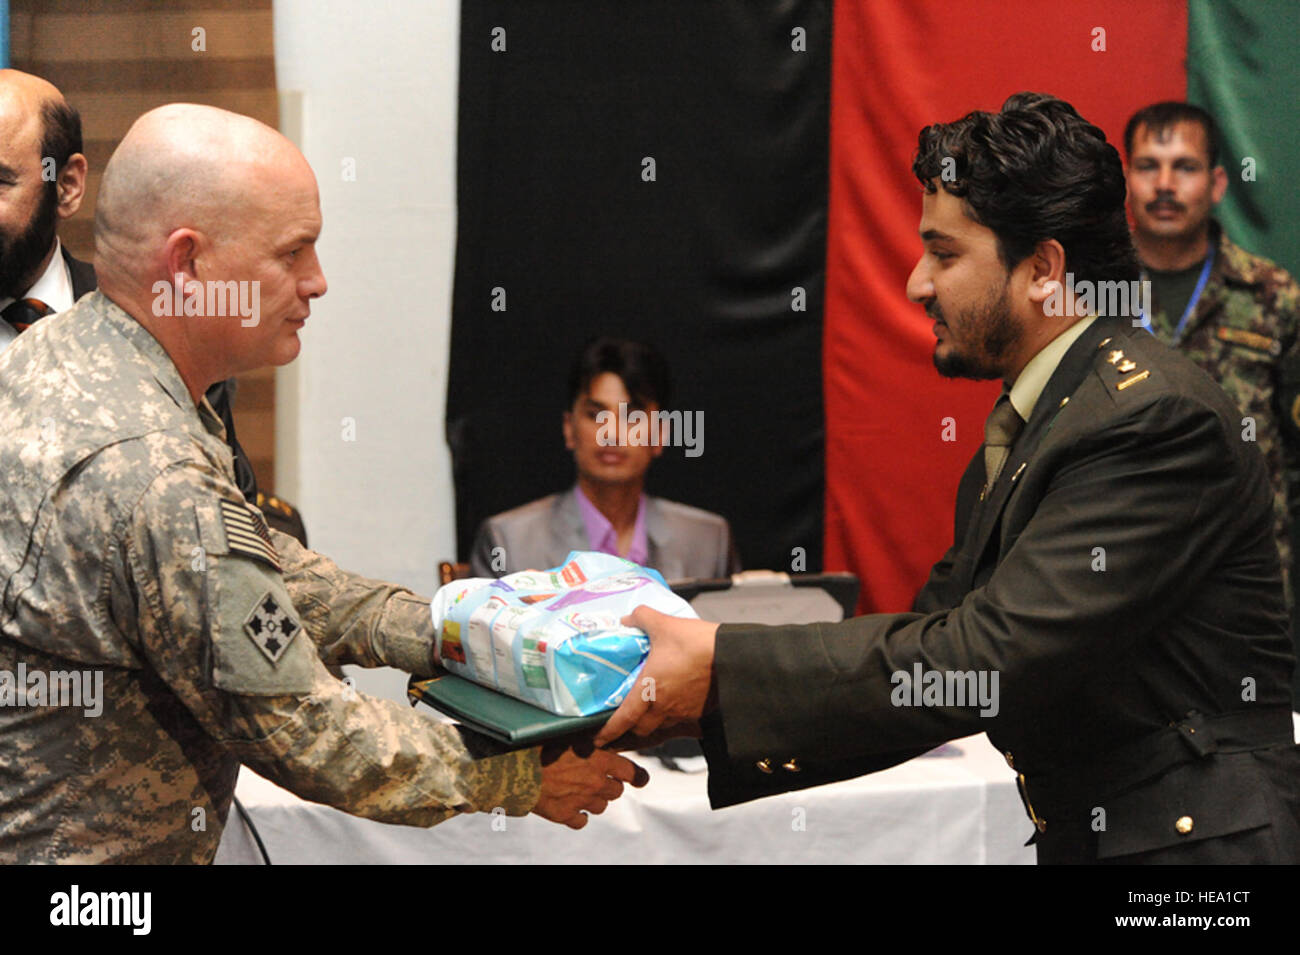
553,638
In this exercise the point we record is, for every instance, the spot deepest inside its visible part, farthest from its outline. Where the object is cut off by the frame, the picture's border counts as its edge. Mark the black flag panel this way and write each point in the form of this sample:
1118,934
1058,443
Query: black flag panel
655,171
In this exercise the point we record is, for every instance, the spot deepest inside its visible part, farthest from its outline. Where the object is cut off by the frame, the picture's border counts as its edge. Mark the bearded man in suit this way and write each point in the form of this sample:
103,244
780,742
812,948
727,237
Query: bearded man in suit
1111,609
44,171
44,175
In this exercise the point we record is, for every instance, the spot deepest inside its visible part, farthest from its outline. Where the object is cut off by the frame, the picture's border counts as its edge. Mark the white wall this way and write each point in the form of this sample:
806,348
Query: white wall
376,83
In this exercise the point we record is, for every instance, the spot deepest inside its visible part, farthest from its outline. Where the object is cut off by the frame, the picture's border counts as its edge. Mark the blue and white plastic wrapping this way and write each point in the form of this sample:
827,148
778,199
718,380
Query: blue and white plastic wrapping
553,638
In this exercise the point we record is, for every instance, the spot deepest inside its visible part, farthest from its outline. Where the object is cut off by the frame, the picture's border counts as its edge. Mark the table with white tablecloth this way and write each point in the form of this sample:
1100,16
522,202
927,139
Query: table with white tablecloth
958,805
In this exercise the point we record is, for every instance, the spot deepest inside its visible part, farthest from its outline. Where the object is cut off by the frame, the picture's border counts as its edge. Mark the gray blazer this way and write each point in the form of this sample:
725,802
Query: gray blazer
683,541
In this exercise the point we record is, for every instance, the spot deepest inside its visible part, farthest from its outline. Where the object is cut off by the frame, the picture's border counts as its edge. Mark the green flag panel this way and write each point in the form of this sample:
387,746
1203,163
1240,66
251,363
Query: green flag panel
1242,67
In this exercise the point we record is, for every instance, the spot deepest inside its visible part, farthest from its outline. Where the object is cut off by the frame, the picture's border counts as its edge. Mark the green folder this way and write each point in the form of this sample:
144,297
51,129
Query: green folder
494,714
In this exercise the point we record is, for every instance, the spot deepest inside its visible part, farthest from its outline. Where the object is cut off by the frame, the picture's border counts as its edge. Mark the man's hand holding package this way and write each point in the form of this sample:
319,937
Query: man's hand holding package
674,687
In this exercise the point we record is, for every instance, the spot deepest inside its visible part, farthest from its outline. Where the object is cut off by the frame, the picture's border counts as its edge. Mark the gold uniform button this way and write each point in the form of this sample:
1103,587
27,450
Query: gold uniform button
765,765
1010,762
1183,825
792,766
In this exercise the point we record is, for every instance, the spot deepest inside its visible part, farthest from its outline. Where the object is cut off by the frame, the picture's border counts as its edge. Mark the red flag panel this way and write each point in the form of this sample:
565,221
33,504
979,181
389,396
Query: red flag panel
891,472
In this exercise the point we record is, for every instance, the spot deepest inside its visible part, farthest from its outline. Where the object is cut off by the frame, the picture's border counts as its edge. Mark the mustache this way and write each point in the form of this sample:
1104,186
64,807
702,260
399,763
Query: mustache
1165,204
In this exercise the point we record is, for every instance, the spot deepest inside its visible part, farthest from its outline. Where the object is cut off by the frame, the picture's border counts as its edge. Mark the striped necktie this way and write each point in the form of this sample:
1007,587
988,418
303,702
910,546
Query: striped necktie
23,312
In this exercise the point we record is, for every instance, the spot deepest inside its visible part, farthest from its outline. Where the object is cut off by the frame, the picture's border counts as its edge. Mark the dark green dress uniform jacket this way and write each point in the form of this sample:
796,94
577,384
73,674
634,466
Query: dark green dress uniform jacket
1122,581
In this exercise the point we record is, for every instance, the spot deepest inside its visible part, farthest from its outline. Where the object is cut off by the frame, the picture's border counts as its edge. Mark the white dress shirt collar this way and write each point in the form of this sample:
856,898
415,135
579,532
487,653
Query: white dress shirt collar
54,288
1035,375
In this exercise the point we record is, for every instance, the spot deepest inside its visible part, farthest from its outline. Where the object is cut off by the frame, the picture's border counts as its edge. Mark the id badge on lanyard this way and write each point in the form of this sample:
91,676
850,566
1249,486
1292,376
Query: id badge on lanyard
1191,303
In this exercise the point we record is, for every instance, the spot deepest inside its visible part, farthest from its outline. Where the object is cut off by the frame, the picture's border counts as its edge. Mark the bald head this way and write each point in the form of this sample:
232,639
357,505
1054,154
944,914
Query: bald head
26,90
200,204
33,109
184,166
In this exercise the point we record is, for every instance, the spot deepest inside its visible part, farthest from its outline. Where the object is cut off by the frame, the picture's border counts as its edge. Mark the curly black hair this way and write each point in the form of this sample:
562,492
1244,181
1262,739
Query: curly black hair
1033,171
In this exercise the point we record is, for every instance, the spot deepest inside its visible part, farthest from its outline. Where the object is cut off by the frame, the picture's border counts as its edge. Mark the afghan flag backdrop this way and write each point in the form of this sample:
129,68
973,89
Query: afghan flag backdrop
768,256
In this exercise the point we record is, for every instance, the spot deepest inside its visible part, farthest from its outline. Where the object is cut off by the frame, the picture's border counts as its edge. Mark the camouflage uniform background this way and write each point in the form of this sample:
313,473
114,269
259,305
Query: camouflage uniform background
1244,332
126,547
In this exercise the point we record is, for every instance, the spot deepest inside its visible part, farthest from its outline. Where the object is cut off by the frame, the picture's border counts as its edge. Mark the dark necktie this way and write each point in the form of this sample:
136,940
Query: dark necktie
1000,432
23,312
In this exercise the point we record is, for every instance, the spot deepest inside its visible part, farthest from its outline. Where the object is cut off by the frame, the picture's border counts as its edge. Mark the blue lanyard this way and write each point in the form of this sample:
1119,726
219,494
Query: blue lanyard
1191,303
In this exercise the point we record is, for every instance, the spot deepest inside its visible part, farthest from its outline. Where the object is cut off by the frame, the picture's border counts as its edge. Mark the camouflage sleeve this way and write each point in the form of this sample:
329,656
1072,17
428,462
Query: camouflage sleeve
216,623
353,619
1285,304
1289,419
1283,301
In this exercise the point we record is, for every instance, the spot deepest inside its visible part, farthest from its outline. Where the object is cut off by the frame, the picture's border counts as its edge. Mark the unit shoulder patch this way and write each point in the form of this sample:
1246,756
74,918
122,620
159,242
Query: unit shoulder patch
271,628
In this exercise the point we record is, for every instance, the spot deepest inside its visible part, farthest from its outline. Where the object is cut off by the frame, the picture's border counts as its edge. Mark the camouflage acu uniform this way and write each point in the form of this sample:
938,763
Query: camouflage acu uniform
126,547
1243,331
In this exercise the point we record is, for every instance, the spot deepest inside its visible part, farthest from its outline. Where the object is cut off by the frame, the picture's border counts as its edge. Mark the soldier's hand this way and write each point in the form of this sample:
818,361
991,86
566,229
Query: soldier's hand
581,779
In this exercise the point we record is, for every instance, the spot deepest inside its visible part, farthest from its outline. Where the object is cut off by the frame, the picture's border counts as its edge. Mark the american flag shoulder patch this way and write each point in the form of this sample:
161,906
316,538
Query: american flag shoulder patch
246,533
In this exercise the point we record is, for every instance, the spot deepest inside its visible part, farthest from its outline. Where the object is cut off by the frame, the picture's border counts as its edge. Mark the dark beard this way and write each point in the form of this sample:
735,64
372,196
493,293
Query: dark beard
957,365
21,256
997,332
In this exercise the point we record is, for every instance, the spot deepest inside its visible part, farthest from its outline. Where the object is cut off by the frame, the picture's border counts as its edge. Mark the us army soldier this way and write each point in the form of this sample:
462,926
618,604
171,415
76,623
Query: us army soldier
126,547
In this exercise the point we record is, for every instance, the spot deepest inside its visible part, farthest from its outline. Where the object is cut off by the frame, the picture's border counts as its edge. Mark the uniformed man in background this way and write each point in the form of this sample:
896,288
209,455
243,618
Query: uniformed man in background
1235,314
154,634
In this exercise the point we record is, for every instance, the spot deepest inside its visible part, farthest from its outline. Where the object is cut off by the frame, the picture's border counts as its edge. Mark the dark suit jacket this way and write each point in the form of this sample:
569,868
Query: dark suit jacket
219,395
1120,574
82,274
683,541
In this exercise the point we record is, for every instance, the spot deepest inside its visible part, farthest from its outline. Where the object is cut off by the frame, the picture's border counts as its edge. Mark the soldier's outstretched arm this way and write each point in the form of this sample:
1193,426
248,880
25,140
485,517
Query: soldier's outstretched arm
354,619
215,620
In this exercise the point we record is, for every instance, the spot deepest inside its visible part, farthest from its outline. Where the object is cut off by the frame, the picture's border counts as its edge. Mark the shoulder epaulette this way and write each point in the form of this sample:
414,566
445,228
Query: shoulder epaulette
1126,368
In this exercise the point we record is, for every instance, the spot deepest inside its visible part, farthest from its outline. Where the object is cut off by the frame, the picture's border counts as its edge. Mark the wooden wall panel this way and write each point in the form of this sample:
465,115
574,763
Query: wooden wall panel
115,59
